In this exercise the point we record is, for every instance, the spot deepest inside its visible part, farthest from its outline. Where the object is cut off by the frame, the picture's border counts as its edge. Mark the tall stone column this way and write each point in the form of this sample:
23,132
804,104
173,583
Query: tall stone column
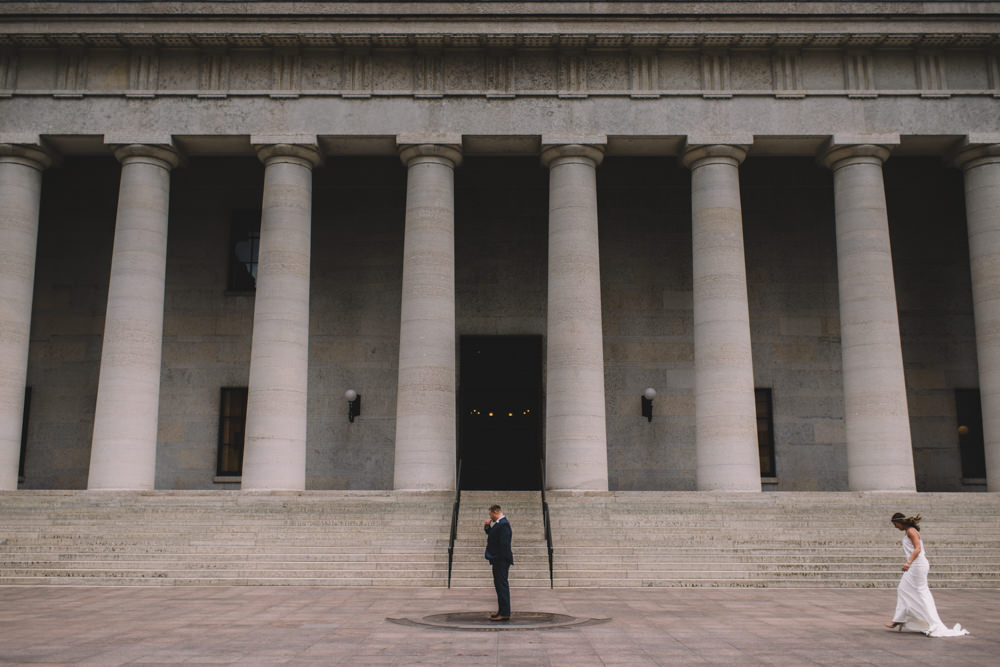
982,205
725,408
425,395
20,195
123,453
879,451
576,447
274,455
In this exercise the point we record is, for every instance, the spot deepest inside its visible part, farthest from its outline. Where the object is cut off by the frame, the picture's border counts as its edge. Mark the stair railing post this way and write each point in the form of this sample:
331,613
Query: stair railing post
548,526
454,518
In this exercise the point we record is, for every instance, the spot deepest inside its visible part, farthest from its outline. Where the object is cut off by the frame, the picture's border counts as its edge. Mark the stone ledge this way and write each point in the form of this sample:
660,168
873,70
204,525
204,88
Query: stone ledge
530,8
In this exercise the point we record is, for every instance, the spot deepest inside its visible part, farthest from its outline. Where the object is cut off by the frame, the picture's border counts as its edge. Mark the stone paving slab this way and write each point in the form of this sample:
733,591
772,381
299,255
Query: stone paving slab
324,626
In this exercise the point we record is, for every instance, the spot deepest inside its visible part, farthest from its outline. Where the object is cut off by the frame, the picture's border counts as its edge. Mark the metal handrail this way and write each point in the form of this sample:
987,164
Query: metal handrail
454,518
548,525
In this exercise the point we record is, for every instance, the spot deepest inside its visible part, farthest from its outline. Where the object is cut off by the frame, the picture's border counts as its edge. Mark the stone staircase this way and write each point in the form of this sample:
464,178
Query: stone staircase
804,540
531,560
372,538
319,538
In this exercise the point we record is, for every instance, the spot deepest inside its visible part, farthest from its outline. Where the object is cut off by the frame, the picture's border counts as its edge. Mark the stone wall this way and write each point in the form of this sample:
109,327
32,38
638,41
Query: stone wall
76,229
930,246
501,242
354,320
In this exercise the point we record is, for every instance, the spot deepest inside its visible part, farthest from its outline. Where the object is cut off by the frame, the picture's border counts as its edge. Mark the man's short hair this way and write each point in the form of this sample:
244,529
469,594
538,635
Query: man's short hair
494,508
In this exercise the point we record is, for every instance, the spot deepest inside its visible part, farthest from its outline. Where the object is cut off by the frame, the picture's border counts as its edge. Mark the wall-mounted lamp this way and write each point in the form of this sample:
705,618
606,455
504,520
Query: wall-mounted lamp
647,403
353,404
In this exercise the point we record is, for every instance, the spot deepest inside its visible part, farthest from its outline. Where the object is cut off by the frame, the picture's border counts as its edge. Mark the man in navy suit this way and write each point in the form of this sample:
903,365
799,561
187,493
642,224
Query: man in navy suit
498,553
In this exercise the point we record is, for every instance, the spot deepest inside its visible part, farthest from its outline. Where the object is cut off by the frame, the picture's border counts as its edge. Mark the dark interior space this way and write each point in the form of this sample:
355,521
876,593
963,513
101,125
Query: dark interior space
500,401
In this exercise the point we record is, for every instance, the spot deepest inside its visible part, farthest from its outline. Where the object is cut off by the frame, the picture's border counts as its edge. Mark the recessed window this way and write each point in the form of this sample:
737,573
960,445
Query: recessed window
969,411
244,246
765,431
24,431
232,426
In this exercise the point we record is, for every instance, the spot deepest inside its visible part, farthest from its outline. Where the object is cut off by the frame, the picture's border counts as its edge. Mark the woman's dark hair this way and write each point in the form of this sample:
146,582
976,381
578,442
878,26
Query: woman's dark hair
908,521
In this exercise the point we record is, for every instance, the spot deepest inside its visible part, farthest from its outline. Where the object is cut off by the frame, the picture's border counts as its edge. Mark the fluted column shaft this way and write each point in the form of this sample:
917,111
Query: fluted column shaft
725,408
274,455
123,452
576,450
982,206
425,398
20,195
879,450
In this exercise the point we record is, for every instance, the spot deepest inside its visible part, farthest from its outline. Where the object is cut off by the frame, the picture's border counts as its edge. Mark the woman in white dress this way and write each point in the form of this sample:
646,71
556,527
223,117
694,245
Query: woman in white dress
915,608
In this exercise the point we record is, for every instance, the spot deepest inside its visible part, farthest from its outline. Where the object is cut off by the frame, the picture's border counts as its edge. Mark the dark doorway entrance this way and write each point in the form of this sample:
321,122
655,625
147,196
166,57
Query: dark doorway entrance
500,404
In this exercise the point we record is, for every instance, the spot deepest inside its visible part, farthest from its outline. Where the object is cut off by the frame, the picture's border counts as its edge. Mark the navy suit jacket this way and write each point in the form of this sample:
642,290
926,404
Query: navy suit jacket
498,539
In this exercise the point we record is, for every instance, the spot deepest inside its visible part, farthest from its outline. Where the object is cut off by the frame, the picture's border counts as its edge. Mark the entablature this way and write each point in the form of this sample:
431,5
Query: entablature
278,36
513,145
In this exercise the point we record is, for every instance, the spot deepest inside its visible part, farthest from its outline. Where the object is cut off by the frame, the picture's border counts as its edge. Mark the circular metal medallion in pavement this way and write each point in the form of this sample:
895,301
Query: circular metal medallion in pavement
480,620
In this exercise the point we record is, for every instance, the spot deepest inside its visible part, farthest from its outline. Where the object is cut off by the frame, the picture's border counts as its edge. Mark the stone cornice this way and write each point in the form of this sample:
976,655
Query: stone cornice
203,36
486,9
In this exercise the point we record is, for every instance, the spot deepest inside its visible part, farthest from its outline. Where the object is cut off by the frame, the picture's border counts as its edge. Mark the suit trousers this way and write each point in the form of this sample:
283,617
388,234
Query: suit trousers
500,570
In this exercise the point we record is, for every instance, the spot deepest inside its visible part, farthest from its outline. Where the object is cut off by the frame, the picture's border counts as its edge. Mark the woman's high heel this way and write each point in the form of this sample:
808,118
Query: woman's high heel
894,625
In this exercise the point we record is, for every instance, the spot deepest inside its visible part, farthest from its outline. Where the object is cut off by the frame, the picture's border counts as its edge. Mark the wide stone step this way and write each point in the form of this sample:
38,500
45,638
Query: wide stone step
524,511
353,556
723,582
237,564
400,550
437,581
387,538
610,561
228,573
961,571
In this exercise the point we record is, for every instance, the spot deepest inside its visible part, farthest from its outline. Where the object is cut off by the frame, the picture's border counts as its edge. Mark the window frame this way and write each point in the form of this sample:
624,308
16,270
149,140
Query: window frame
765,450
971,445
24,432
226,418
243,226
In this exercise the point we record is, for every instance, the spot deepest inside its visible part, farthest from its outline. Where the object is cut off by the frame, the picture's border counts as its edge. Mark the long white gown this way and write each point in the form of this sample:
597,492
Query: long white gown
915,607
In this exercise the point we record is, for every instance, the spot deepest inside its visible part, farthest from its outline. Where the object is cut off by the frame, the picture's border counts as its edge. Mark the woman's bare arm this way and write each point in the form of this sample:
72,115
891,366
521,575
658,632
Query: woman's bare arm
914,536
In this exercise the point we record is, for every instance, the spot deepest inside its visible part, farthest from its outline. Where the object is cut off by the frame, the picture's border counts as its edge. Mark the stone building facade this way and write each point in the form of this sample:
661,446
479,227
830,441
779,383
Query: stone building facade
499,224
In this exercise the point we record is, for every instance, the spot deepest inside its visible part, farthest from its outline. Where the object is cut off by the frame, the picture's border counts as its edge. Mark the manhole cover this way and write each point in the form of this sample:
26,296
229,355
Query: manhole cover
479,620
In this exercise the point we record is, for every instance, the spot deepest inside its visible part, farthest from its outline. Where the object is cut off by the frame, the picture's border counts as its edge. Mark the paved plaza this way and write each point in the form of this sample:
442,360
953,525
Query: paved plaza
297,625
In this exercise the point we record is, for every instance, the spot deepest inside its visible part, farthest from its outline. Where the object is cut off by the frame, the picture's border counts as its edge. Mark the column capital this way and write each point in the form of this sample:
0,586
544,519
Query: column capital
164,153
450,153
698,155
551,154
303,153
31,155
969,155
835,156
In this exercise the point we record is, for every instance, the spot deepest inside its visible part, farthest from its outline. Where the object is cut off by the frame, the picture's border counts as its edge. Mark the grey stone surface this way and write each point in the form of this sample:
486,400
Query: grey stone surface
277,398
879,449
785,76
648,627
982,196
123,453
425,444
725,418
21,191
646,304
576,451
